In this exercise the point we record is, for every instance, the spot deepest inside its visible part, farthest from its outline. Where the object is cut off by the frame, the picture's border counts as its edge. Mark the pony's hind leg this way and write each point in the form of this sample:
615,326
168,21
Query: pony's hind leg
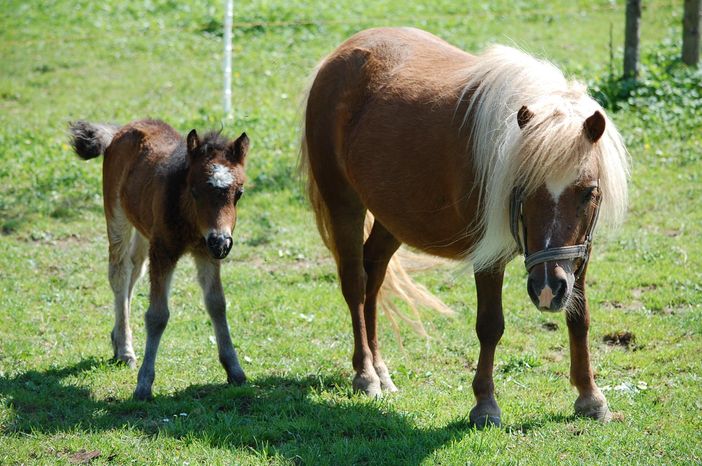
347,235
209,277
119,233
162,264
377,252
489,326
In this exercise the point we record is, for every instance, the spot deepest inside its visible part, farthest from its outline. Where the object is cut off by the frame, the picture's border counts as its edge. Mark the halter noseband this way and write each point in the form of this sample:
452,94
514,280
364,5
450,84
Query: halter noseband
578,251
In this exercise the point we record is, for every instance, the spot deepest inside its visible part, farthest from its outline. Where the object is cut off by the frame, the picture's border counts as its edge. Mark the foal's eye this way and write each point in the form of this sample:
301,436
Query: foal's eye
238,193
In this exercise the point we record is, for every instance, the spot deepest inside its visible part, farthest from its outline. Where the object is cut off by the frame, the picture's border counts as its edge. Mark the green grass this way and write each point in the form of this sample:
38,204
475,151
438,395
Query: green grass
60,397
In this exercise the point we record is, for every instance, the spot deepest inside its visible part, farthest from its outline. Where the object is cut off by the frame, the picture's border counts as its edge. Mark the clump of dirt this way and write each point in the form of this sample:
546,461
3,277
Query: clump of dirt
550,326
622,338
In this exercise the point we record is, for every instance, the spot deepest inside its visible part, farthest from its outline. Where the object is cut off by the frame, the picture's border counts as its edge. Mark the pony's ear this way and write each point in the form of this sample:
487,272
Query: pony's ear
594,126
237,150
193,141
524,115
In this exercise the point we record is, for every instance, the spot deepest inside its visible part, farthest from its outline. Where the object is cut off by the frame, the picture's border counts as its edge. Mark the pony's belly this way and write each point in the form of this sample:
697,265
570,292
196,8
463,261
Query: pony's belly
444,232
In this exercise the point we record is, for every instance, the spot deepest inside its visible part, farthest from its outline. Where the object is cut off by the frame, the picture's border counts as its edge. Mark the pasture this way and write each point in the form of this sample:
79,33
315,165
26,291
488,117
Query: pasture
63,400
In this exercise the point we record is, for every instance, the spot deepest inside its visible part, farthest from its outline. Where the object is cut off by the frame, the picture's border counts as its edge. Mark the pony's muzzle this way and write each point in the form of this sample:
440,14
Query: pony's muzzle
549,287
219,245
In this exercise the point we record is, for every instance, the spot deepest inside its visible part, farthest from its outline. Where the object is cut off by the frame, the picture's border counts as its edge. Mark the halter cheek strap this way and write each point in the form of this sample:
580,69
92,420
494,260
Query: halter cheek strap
578,251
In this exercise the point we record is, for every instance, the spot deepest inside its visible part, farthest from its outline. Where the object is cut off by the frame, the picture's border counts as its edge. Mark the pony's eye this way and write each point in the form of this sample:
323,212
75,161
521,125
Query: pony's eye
193,192
591,194
238,193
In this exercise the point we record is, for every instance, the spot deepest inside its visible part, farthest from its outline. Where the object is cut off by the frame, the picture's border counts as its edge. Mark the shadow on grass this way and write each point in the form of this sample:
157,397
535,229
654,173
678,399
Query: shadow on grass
287,416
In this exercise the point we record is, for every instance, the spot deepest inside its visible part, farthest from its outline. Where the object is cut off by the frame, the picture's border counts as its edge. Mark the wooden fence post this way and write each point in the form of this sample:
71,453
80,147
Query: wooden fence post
631,39
691,32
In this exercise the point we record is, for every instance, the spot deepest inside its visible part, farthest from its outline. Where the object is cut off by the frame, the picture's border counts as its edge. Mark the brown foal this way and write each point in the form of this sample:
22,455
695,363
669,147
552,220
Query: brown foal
181,197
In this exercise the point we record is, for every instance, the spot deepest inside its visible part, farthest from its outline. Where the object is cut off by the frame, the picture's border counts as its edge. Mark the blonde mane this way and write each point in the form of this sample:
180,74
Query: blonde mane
551,146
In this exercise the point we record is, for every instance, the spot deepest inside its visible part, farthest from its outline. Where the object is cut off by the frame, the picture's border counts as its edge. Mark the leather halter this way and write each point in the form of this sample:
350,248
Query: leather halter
578,251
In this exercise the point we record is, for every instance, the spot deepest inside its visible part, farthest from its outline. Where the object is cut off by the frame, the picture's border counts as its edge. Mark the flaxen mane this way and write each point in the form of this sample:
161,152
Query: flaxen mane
499,82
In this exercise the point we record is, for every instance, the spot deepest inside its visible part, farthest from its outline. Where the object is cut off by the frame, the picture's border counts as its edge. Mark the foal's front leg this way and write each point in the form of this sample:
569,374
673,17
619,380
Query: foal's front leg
591,402
211,283
489,326
160,271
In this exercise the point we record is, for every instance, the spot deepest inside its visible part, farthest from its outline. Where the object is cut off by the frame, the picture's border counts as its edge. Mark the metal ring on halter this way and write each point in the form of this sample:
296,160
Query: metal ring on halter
578,251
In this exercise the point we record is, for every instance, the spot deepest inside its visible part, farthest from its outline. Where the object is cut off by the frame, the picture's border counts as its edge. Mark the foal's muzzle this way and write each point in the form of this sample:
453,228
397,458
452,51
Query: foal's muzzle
219,245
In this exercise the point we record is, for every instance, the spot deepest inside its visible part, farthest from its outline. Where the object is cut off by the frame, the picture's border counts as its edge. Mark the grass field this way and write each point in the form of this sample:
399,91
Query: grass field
62,400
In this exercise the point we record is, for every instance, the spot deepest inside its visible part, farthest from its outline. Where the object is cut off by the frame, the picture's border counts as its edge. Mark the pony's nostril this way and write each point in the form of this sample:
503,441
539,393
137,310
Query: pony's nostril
560,287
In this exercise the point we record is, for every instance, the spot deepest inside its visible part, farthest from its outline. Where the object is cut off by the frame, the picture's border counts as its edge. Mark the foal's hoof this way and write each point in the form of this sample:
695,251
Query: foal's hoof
369,385
236,378
485,414
594,407
485,421
128,360
142,394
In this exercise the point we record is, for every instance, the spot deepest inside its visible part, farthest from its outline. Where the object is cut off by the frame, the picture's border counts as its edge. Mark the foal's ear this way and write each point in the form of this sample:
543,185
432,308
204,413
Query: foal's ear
237,150
524,115
193,141
594,126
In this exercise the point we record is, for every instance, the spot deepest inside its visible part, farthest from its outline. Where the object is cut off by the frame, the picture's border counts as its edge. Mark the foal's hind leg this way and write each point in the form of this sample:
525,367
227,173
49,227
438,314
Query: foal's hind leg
211,283
489,326
119,233
138,253
377,252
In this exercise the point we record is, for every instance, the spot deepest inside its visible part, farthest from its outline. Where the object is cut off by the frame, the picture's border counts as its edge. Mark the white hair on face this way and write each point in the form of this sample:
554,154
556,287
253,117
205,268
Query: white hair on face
551,145
220,176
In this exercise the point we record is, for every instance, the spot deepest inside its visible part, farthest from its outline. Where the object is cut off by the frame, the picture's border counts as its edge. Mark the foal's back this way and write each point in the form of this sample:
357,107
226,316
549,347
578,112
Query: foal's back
140,163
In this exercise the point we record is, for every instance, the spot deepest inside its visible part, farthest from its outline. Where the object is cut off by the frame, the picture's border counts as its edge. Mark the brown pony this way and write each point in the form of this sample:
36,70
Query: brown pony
180,197
475,158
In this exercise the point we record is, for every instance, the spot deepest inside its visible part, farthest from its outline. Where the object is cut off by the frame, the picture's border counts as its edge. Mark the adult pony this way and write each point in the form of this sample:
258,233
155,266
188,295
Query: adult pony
181,197
465,157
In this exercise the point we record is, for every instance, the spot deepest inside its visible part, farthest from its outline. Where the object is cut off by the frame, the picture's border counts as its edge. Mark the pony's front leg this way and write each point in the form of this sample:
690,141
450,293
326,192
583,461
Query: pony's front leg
209,278
156,318
489,326
591,402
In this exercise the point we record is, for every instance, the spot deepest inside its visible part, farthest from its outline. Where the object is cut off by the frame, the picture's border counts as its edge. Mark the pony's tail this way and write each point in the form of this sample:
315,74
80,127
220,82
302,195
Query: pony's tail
397,283
89,140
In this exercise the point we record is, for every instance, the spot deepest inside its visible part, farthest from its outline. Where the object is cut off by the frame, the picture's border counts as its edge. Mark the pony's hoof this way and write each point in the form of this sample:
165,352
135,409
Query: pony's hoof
142,394
368,385
388,385
236,378
594,407
485,414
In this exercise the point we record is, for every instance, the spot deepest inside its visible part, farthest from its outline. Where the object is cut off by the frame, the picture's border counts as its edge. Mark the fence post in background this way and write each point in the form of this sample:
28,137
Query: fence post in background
228,15
691,32
631,39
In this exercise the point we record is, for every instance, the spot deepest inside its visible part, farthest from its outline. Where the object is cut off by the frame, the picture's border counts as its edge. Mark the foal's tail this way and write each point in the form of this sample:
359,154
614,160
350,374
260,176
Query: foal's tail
89,140
397,281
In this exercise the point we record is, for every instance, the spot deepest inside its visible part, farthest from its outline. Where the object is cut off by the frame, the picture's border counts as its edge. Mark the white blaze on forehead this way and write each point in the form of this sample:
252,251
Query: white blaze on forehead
556,186
220,176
